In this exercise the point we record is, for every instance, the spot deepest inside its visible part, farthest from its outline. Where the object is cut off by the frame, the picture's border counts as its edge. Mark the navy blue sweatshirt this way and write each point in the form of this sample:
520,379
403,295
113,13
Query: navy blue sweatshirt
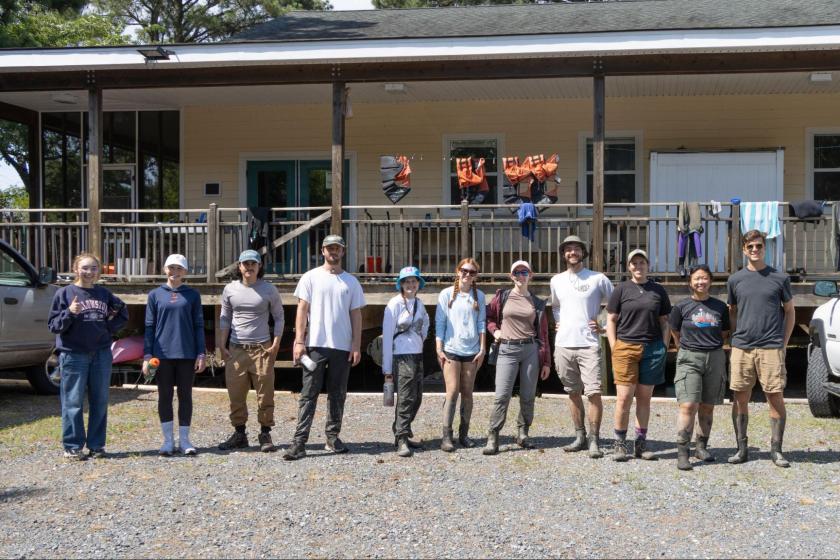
102,315
174,324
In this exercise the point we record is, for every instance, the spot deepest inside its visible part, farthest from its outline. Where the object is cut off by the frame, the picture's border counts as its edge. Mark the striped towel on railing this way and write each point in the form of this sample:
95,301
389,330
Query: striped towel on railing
763,216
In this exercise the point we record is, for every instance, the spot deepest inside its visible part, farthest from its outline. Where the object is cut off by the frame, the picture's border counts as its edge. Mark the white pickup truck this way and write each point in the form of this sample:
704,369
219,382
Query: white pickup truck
25,298
823,381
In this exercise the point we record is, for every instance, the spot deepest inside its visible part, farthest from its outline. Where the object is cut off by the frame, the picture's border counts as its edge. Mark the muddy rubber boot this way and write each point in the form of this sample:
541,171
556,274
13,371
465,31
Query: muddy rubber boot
701,450
446,443
640,450
742,455
594,446
492,446
619,453
777,428
683,440
464,435
579,444
522,439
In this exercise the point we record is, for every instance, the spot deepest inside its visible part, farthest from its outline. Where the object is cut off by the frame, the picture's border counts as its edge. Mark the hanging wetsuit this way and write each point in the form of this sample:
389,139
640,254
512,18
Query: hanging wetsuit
396,177
689,228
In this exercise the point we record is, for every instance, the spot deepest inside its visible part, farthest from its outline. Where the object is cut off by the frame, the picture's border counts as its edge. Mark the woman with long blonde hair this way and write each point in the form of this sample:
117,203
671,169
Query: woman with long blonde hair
460,332
84,317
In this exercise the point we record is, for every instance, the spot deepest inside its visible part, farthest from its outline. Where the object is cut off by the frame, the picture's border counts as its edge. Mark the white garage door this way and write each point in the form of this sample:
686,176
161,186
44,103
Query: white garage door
705,176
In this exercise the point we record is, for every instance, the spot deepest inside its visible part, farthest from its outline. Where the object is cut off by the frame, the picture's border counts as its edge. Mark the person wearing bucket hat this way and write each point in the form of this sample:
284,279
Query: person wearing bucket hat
638,331
174,334
516,318
251,350
576,296
405,325
328,331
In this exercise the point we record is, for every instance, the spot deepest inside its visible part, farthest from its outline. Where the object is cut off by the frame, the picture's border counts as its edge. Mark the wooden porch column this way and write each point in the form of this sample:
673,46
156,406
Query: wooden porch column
339,104
599,102
94,170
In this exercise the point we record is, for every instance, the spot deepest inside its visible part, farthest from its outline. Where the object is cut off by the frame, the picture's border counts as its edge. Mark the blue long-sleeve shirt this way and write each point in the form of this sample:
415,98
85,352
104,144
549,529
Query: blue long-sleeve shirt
102,315
460,326
174,324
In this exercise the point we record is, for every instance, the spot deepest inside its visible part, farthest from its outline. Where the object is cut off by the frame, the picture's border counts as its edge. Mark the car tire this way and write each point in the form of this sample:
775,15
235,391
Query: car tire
39,376
822,403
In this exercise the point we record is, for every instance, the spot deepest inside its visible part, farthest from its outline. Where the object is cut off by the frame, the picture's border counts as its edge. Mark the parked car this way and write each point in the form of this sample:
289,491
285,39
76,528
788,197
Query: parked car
26,343
823,377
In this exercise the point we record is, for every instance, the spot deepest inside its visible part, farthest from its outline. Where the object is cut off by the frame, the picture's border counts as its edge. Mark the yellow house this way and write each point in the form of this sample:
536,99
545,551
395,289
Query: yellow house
139,152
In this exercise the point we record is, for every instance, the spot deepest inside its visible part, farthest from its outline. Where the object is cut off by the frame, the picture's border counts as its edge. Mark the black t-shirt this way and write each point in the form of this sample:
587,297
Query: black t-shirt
700,323
759,296
639,307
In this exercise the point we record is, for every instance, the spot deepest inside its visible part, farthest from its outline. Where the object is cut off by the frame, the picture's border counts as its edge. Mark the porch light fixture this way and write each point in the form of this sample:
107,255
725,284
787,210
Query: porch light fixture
64,98
395,87
820,77
155,53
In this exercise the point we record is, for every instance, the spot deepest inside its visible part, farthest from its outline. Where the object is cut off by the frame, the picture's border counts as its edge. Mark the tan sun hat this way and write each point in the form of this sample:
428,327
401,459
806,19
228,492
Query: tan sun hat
574,239
640,252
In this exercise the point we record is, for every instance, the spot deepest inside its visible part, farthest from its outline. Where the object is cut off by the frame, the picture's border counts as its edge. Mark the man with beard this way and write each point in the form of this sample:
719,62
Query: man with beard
576,297
330,302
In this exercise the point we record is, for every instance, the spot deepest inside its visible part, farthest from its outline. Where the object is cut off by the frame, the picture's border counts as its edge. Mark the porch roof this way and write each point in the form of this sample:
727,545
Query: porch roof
548,19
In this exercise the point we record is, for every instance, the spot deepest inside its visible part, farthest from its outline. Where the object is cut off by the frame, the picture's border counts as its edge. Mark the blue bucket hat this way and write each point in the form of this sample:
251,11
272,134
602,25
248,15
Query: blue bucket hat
408,272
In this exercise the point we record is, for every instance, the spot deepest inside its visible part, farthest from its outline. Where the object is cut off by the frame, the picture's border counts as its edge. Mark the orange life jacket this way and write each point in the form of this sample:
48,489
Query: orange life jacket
403,178
469,177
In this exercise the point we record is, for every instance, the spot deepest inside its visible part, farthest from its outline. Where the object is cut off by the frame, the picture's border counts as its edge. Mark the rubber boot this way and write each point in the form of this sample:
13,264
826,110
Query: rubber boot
446,443
522,439
464,434
168,447
777,428
683,440
701,450
742,455
640,450
579,444
492,446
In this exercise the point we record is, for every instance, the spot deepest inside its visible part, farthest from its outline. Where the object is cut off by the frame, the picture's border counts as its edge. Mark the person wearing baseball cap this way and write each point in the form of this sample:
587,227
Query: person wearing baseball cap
576,297
638,331
328,330
174,334
517,320
249,348
405,325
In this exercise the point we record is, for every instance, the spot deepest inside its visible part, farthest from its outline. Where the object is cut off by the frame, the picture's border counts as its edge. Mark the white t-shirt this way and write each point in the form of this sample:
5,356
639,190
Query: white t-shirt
576,300
331,297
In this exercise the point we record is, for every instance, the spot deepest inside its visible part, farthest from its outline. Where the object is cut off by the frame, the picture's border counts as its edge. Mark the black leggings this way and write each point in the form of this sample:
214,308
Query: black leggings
169,374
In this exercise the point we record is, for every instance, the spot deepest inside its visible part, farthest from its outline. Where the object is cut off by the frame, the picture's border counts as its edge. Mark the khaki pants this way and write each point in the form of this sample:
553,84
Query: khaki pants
250,365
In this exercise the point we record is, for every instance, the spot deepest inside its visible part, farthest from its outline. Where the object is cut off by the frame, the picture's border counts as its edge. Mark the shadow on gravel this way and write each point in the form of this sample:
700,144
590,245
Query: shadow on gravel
8,495
20,406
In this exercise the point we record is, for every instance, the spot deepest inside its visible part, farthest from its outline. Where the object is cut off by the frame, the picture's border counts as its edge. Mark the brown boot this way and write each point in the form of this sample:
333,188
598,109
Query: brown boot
701,450
492,446
446,443
683,440
742,455
777,427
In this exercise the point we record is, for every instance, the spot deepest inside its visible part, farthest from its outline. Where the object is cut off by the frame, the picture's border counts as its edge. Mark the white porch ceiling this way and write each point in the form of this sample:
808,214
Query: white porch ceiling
480,90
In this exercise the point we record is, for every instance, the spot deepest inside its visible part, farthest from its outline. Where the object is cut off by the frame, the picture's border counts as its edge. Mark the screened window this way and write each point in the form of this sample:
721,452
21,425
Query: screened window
620,170
826,166
487,148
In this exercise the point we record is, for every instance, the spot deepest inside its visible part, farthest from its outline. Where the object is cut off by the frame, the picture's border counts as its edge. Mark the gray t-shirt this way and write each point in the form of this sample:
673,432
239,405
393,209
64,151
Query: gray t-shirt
759,296
245,311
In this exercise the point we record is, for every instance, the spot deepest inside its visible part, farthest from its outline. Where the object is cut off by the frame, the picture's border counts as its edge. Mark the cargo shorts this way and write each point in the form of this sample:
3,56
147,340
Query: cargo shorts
700,376
766,365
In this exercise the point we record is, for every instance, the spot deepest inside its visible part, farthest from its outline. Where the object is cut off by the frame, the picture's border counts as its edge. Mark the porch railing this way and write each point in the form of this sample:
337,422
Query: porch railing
382,239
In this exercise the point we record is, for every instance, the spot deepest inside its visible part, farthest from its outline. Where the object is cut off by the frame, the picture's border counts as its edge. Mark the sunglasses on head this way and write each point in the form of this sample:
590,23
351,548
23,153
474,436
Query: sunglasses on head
755,246
469,271
521,272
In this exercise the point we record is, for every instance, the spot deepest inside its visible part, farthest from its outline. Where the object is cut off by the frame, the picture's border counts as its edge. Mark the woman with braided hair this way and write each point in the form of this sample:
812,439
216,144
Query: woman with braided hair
460,330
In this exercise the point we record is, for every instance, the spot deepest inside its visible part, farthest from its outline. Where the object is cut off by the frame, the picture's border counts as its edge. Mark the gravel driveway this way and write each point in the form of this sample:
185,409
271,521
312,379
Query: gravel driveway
371,503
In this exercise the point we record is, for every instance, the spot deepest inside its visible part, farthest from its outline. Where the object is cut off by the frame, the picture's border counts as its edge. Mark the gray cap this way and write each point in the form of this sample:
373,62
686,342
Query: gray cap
333,240
639,252
574,239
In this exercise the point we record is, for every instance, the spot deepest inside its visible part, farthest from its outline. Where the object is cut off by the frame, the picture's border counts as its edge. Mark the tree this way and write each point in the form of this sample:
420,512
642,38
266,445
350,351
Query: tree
55,23
197,21
451,3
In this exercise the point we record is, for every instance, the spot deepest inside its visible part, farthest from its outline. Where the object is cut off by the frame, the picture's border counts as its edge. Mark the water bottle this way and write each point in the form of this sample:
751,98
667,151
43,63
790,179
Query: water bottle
154,364
388,393
308,362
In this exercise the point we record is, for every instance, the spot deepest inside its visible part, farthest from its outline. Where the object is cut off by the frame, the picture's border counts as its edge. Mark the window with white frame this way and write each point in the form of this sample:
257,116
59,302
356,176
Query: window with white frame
826,166
486,147
622,169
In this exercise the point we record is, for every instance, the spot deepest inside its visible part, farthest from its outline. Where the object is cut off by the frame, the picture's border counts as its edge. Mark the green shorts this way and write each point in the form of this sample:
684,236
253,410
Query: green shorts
700,376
